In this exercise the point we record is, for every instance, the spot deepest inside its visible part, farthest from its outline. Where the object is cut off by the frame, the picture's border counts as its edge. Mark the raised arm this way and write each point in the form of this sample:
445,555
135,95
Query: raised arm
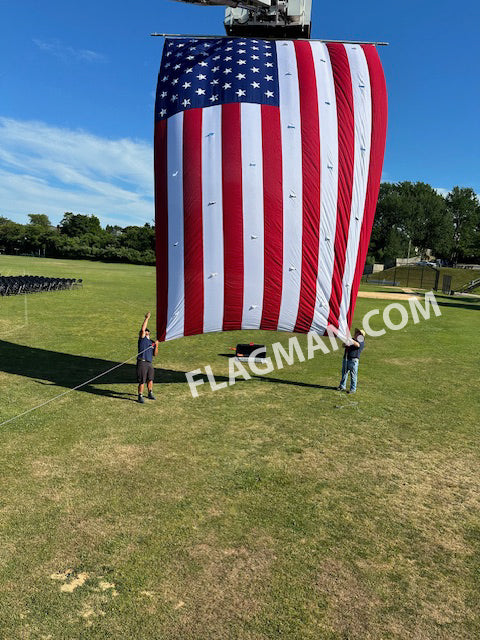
350,343
144,325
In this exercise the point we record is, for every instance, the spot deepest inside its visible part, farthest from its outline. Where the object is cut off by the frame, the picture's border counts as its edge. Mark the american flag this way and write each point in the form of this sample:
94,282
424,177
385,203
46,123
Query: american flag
268,158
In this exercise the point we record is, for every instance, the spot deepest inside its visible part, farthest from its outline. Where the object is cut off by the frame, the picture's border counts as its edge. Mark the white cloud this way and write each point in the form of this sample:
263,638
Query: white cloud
442,191
45,169
65,52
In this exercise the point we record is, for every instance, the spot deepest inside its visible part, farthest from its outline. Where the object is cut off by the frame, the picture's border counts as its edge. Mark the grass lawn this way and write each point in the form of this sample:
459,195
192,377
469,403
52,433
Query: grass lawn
275,508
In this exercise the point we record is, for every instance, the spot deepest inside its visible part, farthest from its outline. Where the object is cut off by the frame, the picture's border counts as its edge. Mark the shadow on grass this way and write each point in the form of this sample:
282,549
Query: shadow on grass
295,383
53,368
458,304
68,371
280,381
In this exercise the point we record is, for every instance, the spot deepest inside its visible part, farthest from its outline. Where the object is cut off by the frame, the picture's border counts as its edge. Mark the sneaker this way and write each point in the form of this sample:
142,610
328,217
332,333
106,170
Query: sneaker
141,399
151,396
350,392
339,388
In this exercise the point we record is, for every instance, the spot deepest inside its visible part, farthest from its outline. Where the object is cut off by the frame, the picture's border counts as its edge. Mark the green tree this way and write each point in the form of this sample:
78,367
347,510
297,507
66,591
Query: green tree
77,224
40,220
410,213
464,208
138,238
12,236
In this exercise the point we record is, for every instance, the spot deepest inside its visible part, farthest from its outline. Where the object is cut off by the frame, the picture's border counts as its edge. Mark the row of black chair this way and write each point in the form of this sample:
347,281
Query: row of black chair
14,285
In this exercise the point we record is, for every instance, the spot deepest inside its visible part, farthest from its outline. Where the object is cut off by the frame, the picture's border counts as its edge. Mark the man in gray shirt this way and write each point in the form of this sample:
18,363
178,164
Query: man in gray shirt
147,349
353,349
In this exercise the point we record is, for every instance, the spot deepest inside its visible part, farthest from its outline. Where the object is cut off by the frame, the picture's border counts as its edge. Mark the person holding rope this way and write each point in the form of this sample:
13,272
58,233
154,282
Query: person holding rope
353,349
146,350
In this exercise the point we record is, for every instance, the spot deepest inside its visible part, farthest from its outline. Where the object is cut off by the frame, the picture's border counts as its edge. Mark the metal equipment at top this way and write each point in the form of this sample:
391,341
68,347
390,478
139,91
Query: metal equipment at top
264,18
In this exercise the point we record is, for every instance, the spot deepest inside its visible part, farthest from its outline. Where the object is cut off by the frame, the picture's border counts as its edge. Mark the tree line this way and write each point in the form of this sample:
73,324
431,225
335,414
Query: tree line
78,236
410,218
415,216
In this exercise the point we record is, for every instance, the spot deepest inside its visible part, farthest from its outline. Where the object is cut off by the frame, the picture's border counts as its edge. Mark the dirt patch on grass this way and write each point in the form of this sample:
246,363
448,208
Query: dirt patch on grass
226,588
412,362
380,295
70,580
103,585
437,492
46,467
122,458
62,575
88,613
351,605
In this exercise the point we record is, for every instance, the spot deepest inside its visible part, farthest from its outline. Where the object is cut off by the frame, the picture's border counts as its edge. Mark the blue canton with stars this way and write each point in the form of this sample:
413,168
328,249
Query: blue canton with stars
197,73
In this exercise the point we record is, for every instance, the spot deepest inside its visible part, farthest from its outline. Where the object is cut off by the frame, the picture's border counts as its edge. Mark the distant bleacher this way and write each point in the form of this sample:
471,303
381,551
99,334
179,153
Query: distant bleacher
15,285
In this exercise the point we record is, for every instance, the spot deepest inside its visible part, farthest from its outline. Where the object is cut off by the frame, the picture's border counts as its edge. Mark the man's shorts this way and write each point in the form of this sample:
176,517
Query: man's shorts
145,371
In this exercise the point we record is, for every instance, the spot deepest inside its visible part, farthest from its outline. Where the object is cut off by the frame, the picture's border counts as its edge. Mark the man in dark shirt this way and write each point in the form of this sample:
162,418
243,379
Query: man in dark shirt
146,350
353,349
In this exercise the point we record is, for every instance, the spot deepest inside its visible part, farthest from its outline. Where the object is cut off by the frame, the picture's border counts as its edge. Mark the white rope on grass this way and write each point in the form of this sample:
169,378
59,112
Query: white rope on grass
79,386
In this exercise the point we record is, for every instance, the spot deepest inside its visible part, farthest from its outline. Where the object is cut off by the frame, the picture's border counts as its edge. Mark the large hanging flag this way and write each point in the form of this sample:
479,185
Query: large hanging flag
268,159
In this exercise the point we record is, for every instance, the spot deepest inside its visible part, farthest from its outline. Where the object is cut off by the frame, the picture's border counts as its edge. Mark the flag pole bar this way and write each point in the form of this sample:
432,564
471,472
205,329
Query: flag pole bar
190,35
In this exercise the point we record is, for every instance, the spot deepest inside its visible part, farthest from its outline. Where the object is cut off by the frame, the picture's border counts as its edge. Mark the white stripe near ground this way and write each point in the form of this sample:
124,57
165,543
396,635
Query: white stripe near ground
212,219
292,184
327,114
176,284
362,106
253,221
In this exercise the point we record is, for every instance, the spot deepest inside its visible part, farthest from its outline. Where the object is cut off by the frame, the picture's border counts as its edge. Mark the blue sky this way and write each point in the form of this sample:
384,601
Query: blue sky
77,85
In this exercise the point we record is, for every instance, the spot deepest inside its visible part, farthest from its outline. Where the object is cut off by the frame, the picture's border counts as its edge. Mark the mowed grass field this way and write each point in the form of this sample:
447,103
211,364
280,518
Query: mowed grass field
275,508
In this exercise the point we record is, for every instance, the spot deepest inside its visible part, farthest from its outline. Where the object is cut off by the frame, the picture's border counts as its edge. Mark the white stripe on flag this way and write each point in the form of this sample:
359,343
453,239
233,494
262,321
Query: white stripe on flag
176,293
327,113
362,108
291,128
253,223
212,218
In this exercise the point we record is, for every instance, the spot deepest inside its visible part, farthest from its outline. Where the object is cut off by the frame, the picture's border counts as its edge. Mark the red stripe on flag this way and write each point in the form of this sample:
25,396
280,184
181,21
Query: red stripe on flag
232,216
272,216
311,184
161,225
377,150
192,220
346,154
